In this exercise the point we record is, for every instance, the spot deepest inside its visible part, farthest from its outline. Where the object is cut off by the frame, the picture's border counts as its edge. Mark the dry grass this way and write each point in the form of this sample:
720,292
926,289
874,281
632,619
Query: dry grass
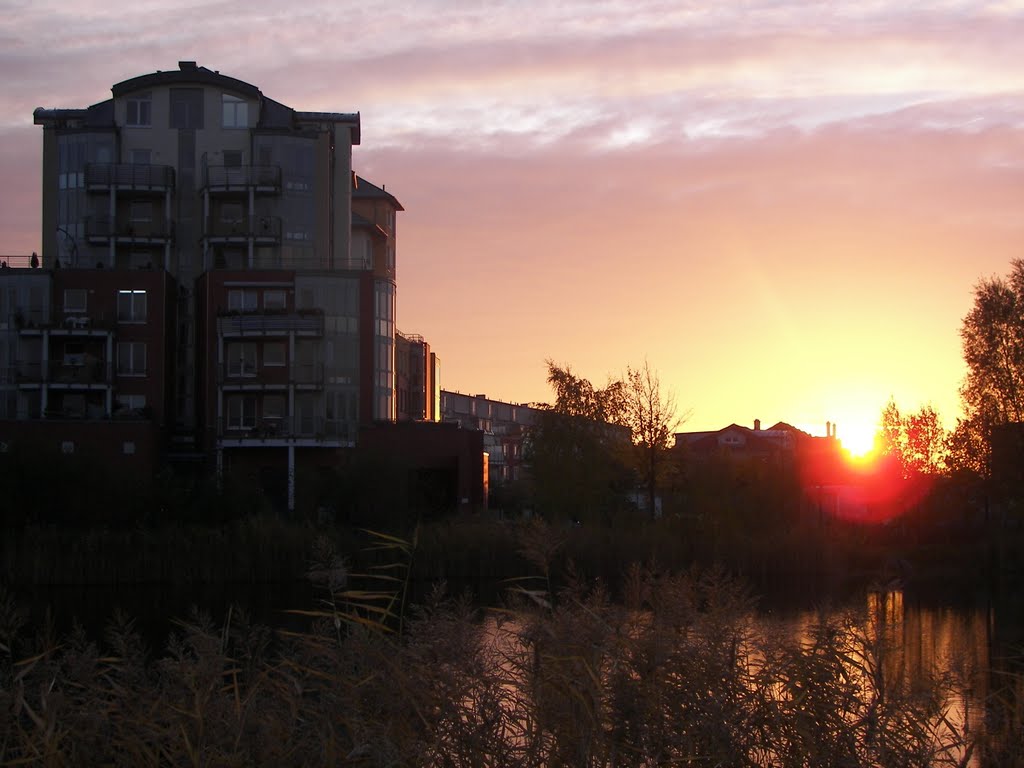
674,674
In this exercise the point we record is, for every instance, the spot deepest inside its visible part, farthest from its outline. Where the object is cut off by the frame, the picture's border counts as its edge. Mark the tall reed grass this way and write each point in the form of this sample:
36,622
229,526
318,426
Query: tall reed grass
673,672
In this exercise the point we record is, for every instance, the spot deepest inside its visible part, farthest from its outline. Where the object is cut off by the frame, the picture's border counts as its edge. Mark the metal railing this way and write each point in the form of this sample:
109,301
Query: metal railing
99,229
272,428
85,373
241,177
99,176
241,372
269,324
259,228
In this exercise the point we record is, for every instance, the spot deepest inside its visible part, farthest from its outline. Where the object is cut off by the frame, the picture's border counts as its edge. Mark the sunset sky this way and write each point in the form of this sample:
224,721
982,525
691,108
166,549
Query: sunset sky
783,207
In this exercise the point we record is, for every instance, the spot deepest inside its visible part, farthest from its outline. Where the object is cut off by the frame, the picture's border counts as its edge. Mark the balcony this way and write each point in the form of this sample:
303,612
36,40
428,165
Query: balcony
243,375
301,324
264,431
102,177
262,230
77,373
264,179
100,231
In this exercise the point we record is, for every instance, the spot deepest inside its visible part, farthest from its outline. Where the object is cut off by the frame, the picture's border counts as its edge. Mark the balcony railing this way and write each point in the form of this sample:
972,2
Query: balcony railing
88,373
256,431
262,229
265,324
101,230
227,178
244,373
104,176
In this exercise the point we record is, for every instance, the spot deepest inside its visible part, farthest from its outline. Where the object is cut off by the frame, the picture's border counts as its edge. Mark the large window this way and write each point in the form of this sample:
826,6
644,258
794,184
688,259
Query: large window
131,306
75,299
274,300
242,359
131,358
140,110
240,300
241,412
235,111
273,353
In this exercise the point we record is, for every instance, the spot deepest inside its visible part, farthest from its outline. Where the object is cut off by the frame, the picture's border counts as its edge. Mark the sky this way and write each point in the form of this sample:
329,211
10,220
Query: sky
781,207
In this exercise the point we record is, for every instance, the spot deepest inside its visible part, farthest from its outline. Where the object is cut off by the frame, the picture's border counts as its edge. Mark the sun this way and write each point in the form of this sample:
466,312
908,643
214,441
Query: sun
857,439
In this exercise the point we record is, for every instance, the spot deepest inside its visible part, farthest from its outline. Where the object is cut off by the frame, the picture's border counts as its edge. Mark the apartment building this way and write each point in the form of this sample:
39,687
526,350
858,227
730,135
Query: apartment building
275,267
505,427
85,361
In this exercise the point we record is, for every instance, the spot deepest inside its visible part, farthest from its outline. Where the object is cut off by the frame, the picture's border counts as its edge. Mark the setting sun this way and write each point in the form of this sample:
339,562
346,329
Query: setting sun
858,439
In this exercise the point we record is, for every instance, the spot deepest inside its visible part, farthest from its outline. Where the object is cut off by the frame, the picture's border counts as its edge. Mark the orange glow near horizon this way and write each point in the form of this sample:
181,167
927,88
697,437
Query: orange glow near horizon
859,441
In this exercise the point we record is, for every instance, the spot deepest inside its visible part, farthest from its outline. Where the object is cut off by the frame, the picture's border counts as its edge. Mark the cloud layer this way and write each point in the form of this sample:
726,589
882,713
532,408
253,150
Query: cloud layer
782,206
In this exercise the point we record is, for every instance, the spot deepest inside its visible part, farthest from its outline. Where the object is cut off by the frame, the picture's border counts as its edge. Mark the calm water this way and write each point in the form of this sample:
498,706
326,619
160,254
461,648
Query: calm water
978,642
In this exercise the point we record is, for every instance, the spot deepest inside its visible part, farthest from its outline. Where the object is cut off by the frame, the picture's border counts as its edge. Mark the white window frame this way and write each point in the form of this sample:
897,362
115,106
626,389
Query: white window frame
131,358
243,300
138,111
241,358
131,306
234,111
241,412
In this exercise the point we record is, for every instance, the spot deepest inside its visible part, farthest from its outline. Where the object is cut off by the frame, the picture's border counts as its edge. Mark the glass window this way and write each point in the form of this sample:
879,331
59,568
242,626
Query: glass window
131,358
130,403
131,306
240,300
235,111
140,156
75,299
231,212
273,353
241,412
242,359
140,110
140,211
273,407
274,300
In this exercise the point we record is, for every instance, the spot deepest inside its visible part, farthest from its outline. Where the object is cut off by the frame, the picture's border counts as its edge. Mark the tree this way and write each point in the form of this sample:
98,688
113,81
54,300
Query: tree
916,441
652,419
992,335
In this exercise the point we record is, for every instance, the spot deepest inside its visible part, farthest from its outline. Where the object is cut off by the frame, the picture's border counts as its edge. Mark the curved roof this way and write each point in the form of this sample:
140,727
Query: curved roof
187,73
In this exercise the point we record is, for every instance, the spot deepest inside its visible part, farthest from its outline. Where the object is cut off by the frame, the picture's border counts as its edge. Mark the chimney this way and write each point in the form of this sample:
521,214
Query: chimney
828,429
186,65
757,425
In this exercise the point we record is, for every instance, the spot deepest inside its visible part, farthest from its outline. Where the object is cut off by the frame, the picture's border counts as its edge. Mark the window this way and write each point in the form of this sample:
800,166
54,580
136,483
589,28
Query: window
140,211
242,359
140,156
131,358
235,111
273,407
241,412
128,447
75,299
74,353
140,110
127,404
273,353
67,446
240,300
274,300
131,306
231,213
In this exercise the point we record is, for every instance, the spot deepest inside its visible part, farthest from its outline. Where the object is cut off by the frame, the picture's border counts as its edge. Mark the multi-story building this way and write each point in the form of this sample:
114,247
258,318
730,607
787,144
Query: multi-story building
275,267
85,360
417,379
505,427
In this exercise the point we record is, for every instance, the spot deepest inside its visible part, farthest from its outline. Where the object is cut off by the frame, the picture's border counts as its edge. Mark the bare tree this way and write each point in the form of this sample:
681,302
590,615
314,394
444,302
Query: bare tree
652,417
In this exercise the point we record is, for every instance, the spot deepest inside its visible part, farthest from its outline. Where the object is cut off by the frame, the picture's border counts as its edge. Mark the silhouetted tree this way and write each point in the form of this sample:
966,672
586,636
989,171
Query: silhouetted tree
651,415
916,441
993,345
